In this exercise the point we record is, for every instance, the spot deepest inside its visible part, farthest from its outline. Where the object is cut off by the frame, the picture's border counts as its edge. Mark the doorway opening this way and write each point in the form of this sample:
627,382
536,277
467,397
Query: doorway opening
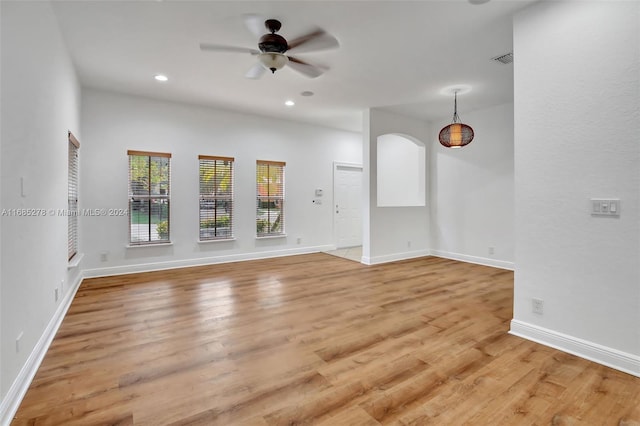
347,210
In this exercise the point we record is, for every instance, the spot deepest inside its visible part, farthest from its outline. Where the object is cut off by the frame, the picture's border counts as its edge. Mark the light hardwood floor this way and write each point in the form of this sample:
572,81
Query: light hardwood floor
313,339
351,253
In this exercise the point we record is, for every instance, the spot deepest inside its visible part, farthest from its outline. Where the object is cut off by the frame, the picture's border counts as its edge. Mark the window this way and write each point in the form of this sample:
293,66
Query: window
149,176
72,197
269,198
216,198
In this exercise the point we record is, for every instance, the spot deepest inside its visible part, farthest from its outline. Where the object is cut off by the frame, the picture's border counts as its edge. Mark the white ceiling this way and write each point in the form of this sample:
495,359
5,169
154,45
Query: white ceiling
398,55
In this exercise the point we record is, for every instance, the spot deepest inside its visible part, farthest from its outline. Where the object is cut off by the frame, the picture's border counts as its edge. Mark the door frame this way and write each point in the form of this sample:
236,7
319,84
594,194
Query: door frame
336,165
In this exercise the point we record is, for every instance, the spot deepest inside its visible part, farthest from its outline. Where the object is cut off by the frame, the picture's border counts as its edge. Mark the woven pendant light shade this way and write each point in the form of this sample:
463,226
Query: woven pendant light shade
456,134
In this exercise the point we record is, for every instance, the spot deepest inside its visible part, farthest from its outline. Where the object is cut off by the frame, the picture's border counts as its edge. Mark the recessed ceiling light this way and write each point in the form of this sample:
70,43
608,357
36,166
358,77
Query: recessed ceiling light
161,77
307,93
289,103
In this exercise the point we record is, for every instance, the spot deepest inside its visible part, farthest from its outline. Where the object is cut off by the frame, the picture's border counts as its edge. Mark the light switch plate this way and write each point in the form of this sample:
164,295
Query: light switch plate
605,207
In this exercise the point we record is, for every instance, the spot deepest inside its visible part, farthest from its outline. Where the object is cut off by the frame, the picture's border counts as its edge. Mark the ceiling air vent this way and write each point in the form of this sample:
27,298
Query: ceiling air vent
507,58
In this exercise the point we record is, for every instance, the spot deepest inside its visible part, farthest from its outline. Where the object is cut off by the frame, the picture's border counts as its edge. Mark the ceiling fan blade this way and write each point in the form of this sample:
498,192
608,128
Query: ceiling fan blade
254,23
222,48
318,39
311,71
256,71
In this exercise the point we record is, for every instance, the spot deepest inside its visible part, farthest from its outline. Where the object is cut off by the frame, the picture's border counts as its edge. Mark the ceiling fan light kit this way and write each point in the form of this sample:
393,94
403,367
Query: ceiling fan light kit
273,61
456,134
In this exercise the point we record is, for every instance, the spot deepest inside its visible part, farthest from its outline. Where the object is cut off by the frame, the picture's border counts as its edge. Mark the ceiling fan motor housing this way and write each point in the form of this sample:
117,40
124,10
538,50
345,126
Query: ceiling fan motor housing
272,43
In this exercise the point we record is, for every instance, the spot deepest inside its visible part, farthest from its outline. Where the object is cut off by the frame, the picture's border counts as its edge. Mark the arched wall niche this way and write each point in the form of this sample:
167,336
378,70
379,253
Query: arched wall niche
401,163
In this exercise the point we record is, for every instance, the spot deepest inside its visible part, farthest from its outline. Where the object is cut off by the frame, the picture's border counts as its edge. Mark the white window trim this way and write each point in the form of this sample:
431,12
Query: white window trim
270,237
164,244
218,240
73,142
283,165
131,244
231,198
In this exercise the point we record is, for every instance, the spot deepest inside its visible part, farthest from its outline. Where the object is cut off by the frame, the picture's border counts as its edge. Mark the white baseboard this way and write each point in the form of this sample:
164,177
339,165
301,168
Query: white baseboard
18,389
613,358
486,261
394,257
185,263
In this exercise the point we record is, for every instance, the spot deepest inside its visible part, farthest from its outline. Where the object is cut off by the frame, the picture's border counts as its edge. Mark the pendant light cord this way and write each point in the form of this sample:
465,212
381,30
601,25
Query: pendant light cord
456,118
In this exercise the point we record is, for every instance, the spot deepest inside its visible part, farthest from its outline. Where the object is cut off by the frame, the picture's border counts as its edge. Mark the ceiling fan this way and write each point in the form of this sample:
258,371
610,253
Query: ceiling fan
272,48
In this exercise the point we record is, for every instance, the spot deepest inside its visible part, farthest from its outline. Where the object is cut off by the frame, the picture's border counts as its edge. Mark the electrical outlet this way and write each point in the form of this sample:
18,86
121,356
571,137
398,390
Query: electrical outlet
56,293
537,306
408,244
104,256
298,240
492,250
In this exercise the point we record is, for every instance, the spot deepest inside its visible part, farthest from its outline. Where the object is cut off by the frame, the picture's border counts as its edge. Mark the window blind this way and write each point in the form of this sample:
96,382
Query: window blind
270,198
216,197
149,197
72,197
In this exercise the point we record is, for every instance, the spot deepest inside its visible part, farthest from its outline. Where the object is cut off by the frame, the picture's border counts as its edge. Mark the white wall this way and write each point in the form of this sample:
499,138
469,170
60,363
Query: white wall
472,190
390,233
576,118
577,121
40,103
401,171
113,123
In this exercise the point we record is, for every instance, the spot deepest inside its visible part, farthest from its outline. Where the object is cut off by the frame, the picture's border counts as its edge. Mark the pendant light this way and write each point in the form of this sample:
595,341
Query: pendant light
456,134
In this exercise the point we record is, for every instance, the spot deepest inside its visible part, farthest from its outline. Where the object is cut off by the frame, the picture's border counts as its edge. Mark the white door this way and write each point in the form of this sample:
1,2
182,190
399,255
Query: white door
347,218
